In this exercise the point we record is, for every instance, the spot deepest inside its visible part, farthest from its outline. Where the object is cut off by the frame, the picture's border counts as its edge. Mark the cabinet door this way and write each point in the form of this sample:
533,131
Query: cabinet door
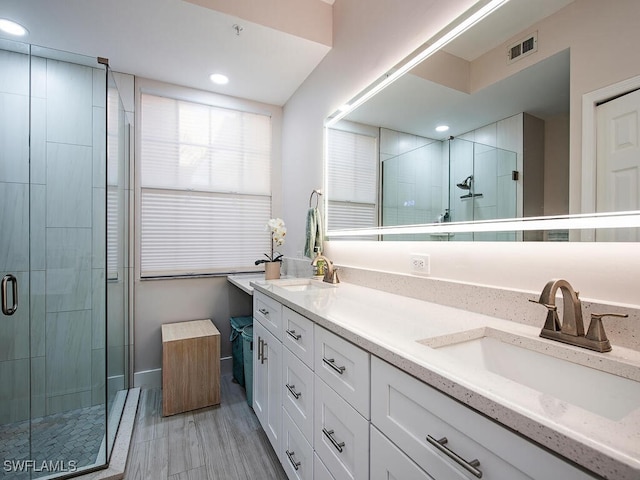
388,461
268,312
297,392
297,454
267,382
298,335
340,435
344,367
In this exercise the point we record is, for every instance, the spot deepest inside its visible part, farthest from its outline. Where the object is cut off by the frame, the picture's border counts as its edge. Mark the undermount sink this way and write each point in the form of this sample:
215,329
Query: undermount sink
303,284
536,364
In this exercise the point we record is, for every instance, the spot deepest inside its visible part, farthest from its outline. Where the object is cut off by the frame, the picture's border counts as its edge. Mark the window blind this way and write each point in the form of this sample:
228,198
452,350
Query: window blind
352,175
205,187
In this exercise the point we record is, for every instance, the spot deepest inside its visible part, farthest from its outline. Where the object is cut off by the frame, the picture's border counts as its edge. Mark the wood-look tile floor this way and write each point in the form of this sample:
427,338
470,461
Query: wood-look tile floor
225,442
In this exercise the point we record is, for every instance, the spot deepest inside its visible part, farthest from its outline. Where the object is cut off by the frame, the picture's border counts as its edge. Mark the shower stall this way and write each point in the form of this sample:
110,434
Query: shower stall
64,263
452,180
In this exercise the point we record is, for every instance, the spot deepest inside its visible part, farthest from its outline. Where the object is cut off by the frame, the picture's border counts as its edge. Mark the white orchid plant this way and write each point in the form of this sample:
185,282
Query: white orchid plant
278,232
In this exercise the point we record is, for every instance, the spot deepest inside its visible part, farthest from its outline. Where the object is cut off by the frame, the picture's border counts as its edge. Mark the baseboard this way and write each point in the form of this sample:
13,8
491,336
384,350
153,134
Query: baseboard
153,378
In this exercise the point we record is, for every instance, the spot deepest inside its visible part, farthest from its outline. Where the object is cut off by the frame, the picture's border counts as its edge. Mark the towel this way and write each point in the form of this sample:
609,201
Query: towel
315,233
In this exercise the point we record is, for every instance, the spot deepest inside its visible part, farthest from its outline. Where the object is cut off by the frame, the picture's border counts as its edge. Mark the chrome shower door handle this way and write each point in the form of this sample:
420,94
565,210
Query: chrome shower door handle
5,305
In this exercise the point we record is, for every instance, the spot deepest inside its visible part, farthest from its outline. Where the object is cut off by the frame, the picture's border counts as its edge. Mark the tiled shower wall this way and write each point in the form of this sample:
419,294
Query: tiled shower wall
60,256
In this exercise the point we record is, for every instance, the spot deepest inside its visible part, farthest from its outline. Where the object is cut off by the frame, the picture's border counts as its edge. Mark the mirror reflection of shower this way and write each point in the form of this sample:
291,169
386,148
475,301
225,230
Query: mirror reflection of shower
467,184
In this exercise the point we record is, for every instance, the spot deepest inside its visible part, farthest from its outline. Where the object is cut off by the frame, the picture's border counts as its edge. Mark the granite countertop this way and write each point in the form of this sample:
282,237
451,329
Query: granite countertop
402,331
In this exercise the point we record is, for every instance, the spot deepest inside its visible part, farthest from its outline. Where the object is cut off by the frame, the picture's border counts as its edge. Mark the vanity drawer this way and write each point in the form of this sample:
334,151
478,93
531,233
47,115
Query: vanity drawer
407,410
297,454
297,335
340,435
344,367
297,393
268,312
320,471
388,461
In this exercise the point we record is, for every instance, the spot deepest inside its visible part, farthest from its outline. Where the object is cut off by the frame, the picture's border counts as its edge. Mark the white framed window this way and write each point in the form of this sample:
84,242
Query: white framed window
352,175
205,187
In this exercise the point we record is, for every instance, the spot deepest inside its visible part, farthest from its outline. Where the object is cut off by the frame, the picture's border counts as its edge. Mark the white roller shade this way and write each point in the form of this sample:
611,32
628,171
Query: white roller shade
205,187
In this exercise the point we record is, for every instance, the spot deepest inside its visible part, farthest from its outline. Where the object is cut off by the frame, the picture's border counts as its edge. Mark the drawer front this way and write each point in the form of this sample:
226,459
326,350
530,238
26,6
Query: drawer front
340,435
344,367
320,471
388,461
407,411
297,454
297,335
297,393
269,313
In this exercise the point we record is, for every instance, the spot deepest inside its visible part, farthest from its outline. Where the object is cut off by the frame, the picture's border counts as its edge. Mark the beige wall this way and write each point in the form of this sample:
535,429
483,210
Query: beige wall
370,36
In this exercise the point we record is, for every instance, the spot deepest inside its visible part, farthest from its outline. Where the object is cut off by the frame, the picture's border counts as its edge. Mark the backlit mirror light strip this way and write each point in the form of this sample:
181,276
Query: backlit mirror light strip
561,222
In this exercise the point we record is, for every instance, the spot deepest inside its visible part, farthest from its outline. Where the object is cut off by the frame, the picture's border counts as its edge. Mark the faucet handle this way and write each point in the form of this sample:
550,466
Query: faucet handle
552,322
596,329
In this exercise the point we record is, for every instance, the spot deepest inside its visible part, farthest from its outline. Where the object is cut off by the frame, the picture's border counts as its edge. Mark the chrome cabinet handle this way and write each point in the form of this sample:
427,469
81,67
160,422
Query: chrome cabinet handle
470,466
292,460
329,435
294,335
259,348
264,311
14,288
291,388
332,364
264,344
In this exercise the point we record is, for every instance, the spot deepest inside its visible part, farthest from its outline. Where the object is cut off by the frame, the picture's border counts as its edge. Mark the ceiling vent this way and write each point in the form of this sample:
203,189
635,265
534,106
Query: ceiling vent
522,48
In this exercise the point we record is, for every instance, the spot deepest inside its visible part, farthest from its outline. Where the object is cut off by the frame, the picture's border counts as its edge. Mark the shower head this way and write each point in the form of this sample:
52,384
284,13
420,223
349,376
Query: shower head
466,184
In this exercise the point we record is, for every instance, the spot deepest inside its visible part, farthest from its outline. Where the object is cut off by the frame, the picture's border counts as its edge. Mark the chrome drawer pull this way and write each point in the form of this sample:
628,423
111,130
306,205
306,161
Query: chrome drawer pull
264,311
294,335
292,460
291,388
259,348
264,344
329,435
469,466
332,364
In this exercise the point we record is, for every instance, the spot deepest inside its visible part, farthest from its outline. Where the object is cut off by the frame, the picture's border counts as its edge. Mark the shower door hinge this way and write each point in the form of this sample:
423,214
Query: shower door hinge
515,175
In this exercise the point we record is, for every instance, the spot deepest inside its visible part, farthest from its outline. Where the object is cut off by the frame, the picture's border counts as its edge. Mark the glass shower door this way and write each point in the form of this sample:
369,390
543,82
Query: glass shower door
53,241
15,364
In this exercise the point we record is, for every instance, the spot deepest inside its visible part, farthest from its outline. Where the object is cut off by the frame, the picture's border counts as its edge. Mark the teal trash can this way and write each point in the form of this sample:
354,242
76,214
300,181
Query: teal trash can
238,324
247,352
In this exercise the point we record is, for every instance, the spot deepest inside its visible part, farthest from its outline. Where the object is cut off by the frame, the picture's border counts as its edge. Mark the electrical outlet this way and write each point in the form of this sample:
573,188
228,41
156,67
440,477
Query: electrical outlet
420,263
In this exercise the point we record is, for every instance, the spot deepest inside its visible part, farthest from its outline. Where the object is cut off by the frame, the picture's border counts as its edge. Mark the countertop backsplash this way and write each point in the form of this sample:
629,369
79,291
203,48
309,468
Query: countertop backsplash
506,304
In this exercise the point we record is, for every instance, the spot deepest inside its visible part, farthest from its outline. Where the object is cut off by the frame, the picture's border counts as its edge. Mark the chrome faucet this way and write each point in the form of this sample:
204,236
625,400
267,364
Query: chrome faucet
330,272
571,330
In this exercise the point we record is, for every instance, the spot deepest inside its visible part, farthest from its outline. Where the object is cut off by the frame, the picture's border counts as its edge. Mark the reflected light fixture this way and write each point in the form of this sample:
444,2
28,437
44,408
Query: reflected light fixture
219,79
427,52
12,28
442,128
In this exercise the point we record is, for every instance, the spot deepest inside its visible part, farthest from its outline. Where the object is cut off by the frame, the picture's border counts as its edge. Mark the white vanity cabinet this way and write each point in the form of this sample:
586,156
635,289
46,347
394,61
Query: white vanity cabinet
389,462
344,367
341,435
297,335
297,460
267,373
449,440
298,392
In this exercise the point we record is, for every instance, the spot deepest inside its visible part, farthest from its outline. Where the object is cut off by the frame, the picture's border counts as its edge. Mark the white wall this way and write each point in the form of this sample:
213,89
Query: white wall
370,36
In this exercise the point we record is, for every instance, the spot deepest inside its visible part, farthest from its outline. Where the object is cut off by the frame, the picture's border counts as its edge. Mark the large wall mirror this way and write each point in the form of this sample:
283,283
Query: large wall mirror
489,128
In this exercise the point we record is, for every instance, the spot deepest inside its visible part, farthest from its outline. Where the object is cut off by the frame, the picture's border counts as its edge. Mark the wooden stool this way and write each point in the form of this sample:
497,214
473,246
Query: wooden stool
190,366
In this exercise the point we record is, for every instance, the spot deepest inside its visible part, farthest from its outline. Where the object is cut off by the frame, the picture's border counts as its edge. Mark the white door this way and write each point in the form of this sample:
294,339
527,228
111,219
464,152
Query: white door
618,162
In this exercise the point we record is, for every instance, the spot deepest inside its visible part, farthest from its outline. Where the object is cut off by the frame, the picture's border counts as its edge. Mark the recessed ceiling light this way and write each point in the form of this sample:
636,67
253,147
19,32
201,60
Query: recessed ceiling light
219,78
12,28
442,128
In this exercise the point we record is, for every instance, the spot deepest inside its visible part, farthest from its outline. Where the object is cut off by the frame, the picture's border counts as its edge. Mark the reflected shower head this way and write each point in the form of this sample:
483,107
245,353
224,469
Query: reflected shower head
466,184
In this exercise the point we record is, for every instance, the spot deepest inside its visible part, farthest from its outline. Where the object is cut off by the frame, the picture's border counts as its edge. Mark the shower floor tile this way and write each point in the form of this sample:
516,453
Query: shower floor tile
73,436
